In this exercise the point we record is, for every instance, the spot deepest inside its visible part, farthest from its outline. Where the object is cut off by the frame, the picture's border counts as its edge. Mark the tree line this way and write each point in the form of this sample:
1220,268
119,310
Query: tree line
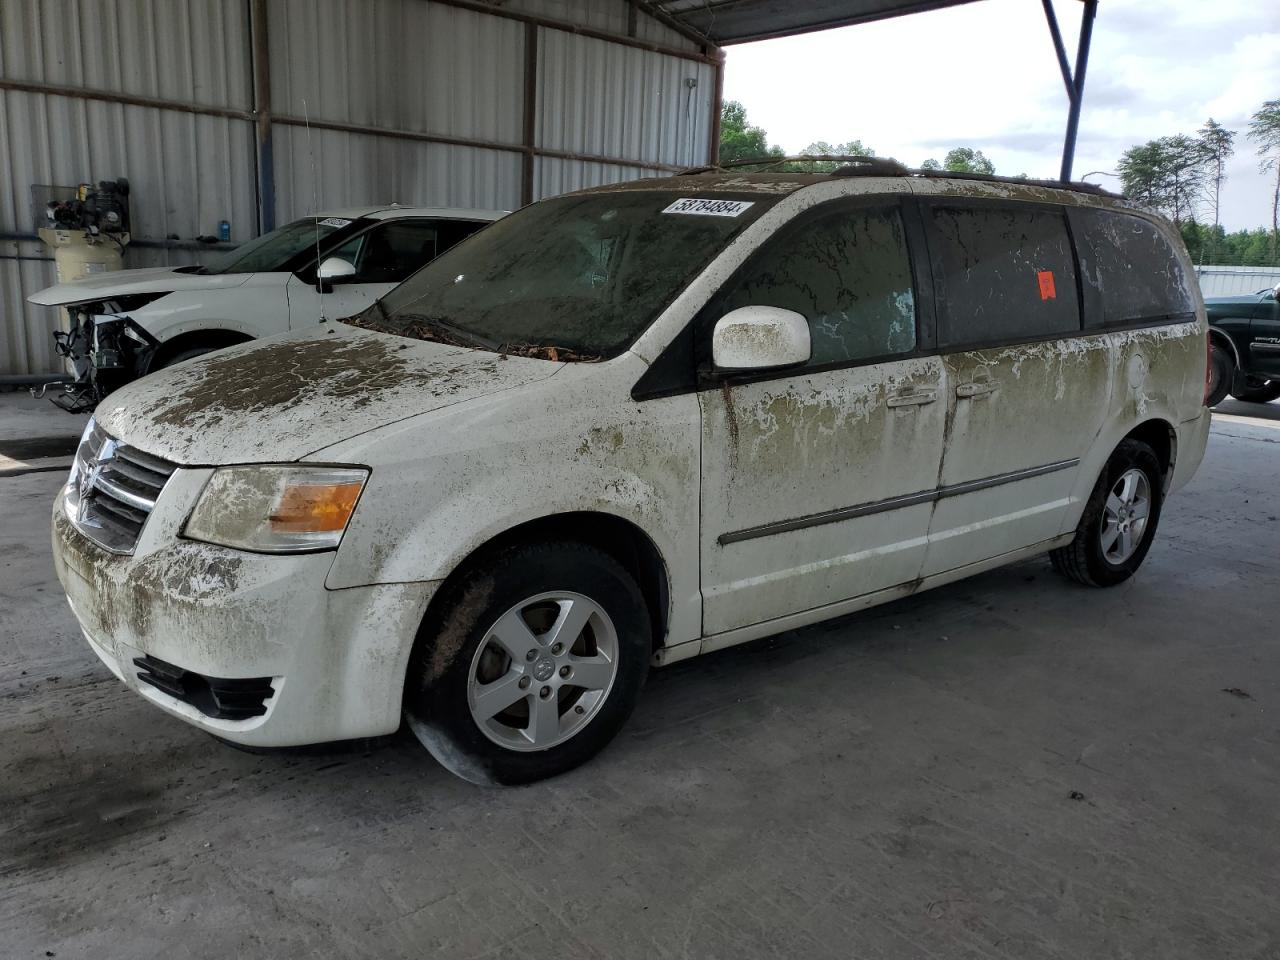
1182,176
740,140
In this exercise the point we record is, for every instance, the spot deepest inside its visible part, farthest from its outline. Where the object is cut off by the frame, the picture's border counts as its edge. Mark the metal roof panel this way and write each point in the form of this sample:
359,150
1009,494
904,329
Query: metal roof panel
740,21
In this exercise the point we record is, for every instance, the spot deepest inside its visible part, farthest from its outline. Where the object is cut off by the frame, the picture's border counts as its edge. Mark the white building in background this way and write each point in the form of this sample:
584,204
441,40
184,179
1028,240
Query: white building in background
1233,281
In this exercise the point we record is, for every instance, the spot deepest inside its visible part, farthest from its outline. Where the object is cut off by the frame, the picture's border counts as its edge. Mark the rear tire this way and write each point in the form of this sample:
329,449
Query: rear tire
1257,391
530,665
1119,520
1222,369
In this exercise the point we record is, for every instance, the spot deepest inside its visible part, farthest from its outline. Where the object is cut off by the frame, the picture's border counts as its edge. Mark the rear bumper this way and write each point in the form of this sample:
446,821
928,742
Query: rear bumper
334,659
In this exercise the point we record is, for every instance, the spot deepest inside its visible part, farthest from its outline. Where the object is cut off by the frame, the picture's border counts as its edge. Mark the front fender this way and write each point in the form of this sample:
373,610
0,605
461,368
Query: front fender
258,307
445,484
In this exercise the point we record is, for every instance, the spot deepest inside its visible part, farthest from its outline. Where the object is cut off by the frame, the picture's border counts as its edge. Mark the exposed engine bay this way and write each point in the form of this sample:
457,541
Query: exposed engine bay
106,348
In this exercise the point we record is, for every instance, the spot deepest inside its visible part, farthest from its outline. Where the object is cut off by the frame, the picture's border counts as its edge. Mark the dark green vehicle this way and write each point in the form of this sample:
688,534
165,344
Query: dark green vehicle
1244,337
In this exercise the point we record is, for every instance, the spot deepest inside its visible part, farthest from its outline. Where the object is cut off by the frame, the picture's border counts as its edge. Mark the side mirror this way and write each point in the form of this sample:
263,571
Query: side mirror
760,338
334,268
1276,292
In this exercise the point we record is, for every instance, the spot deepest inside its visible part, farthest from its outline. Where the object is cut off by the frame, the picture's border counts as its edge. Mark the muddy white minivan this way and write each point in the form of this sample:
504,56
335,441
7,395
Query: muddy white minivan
624,427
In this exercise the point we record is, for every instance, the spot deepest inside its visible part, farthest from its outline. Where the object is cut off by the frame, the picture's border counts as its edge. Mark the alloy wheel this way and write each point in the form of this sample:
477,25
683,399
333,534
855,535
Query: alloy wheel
542,671
1125,515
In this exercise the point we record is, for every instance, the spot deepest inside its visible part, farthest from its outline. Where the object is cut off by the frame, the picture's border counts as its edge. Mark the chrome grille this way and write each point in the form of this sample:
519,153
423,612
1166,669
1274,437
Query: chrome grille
113,489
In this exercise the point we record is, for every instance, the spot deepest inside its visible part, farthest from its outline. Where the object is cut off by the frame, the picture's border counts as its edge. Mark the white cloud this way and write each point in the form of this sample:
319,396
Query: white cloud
985,75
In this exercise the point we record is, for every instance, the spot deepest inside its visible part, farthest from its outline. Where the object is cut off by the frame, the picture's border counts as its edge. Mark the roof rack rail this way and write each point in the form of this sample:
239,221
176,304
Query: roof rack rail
852,164
1078,186
860,166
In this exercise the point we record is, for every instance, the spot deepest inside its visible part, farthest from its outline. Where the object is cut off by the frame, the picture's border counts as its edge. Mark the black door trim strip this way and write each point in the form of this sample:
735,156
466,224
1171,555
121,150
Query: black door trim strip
892,503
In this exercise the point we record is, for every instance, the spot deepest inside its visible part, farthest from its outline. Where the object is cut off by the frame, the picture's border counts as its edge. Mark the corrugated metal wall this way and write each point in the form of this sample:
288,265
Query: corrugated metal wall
187,171
376,78
1233,281
599,99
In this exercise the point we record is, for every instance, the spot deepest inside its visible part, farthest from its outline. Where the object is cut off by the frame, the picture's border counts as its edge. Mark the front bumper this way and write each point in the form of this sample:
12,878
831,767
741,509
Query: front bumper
336,659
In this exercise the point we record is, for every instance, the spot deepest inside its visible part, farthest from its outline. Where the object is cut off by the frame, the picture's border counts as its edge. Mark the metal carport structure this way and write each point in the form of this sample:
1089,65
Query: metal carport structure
725,22
210,108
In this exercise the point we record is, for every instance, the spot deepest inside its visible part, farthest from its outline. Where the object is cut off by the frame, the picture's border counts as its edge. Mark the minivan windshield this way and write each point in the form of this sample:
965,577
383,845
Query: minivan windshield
272,251
573,278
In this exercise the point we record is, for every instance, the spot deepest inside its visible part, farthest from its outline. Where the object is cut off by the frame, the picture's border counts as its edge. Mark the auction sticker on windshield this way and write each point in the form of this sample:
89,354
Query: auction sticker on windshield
709,208
334,222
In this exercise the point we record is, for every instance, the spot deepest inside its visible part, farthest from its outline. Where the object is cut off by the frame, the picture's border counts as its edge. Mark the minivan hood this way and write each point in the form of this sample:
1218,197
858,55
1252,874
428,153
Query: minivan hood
280,399
120,283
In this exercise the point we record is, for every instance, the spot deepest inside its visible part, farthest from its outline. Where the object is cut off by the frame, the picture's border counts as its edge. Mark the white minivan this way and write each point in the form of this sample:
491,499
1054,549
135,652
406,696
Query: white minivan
624,427
130,322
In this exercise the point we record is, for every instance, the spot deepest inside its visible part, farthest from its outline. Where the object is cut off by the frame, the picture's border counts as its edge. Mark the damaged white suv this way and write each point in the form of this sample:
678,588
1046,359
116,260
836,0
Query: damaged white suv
628,426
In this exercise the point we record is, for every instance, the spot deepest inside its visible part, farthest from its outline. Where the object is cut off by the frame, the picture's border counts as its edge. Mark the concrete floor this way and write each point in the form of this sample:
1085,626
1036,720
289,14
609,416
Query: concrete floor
1008,767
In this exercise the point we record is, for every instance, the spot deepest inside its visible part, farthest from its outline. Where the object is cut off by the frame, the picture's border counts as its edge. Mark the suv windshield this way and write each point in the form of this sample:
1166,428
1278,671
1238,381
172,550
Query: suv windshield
574,278
272,251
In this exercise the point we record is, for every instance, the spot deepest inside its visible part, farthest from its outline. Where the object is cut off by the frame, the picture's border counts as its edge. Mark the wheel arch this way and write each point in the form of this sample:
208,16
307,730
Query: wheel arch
217,337
1161,436
1220,336
621,538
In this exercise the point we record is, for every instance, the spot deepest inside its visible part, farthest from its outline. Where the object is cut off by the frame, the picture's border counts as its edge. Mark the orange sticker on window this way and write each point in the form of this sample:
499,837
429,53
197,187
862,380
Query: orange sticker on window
1047,291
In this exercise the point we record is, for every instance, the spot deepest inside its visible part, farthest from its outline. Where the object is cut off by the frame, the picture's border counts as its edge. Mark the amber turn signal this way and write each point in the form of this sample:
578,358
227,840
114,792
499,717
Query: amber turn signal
306,507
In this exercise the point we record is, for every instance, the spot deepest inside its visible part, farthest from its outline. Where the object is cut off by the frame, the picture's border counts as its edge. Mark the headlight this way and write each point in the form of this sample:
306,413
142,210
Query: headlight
276,509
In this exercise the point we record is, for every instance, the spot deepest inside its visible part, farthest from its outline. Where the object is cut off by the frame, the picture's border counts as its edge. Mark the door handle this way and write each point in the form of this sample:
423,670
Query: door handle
917,399
976,391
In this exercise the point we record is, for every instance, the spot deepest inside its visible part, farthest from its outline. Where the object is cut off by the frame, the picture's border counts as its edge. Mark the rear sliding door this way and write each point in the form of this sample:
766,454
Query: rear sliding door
1026,390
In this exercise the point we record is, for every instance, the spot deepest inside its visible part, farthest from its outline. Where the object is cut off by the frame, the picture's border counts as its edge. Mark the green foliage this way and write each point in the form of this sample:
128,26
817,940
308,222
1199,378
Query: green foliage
1243,248
738,139
1218,144
1169,174
820,148
967,160
1264,130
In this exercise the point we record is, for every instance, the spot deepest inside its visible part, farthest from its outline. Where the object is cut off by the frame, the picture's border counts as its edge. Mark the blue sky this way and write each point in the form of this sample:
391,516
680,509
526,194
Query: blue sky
984,75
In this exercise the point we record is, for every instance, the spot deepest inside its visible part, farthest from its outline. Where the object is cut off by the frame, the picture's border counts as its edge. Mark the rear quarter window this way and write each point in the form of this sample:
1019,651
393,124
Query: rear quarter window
1003,274
1133,267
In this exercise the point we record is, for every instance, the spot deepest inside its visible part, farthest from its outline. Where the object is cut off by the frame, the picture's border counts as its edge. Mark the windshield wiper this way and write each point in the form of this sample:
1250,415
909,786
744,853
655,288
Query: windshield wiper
550,351
445,330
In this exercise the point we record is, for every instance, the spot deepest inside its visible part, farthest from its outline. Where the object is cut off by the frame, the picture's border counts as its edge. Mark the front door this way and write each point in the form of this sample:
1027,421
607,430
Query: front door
1027,390
811,478
1264,337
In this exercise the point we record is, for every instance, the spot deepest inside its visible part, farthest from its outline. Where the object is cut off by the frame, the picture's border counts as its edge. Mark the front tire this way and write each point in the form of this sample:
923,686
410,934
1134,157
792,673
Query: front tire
1258,391
1222,369
532,664
1119,520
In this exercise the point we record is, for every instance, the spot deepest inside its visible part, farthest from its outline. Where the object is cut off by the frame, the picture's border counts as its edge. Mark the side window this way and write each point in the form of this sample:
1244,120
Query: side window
848,274
1134,268
451,232
1002,274
392,251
